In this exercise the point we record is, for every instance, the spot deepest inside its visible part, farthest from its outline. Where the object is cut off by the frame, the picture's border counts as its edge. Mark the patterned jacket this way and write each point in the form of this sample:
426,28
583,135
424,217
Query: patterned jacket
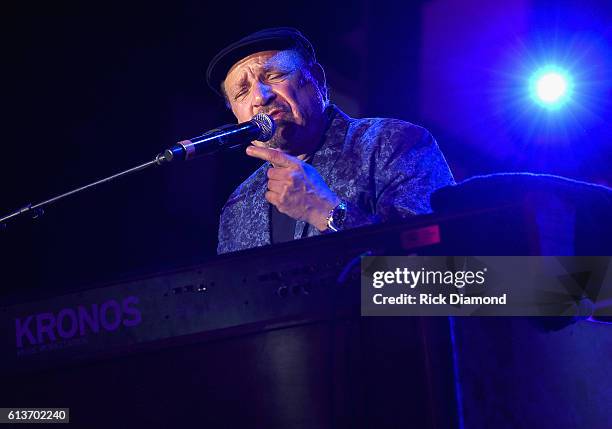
384,169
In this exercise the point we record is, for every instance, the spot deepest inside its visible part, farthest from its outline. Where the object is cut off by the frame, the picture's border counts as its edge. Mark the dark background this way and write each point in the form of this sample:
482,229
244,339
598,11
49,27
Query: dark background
90,89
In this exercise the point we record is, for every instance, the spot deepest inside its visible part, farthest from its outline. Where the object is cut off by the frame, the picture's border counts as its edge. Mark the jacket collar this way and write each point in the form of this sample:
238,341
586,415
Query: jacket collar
334,137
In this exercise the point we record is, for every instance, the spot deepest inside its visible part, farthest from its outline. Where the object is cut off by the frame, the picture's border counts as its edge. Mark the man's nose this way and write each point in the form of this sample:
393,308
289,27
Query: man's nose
263,94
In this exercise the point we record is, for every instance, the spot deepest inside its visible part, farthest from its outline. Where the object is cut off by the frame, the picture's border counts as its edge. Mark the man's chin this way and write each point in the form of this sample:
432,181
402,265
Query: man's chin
280,144
285,131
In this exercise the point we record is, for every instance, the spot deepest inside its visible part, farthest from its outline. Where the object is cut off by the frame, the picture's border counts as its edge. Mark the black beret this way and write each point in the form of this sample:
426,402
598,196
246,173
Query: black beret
269,39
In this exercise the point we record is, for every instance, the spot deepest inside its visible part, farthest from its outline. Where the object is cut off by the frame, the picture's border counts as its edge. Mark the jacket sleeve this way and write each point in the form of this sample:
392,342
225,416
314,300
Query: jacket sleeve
229,220
406,166
225,238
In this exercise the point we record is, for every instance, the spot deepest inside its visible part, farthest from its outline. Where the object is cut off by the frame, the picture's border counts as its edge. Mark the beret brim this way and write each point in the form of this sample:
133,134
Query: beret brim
269,39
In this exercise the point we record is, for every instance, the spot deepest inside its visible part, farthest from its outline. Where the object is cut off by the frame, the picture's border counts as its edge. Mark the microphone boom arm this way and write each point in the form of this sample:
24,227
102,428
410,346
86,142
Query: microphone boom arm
37,209
260,127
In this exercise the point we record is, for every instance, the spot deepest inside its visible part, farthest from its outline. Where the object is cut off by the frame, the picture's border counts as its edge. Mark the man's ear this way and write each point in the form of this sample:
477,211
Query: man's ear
318,73
225,98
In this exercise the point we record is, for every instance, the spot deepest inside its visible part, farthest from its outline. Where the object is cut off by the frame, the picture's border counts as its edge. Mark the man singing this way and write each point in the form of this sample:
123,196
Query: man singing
325,171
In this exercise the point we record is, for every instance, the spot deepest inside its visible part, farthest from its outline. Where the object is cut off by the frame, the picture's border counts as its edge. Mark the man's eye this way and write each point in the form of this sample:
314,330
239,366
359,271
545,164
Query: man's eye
276,75
240,94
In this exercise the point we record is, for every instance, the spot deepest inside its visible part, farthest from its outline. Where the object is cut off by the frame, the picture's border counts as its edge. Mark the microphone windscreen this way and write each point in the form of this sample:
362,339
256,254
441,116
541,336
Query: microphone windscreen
266,126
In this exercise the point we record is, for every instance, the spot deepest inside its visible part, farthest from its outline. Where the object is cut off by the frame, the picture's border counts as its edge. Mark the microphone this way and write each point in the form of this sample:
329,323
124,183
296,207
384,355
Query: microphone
261,127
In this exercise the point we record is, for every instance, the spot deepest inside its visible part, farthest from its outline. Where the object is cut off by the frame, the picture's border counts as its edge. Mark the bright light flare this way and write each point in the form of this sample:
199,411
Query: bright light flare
551,87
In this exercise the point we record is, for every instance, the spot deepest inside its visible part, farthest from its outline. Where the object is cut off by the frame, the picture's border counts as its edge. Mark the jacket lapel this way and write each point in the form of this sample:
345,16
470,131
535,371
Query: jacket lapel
325,159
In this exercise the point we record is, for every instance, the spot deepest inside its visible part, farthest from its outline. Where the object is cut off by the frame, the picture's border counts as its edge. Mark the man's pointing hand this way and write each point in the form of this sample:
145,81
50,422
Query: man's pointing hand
296,188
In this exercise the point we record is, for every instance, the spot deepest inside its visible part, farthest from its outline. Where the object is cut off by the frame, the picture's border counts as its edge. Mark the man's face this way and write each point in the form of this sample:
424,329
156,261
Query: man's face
280,84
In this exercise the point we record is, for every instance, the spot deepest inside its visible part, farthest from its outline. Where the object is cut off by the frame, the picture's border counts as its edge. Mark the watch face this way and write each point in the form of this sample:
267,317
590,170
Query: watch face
339,214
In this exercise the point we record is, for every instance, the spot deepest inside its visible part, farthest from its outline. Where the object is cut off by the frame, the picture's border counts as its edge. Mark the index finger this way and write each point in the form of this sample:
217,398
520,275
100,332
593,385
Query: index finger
276,157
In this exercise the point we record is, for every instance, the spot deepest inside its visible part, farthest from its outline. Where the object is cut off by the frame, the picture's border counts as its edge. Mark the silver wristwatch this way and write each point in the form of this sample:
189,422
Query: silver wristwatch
335,218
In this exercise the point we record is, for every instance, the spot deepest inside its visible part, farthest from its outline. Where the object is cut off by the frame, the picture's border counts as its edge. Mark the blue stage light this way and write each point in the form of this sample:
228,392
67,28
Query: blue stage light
551,87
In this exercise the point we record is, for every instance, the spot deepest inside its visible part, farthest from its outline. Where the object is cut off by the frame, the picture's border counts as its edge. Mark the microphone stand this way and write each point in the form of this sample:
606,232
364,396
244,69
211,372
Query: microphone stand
260,127
37,209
